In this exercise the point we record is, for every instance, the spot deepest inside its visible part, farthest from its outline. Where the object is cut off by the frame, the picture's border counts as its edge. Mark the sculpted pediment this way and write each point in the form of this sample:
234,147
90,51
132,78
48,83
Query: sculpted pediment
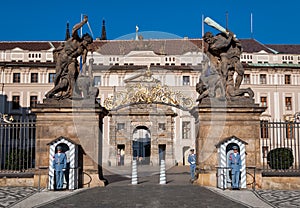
17,49
262,52
145,76
141,54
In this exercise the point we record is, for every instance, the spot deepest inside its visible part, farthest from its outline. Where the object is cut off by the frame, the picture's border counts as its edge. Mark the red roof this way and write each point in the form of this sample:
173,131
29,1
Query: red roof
30,46
159,46
285,48
252,46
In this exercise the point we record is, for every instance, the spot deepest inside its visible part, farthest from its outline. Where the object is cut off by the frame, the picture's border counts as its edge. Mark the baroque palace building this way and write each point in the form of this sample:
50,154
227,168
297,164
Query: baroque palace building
123,68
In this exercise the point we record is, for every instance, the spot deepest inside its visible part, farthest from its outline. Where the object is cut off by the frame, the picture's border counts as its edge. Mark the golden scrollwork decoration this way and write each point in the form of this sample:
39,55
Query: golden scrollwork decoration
142,93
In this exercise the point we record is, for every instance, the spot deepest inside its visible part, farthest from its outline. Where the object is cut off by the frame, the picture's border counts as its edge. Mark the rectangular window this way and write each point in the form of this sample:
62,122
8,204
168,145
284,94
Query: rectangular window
287,79
161,126
120,126
16,77
33,101
290,132
288,103
97,81
186,129
263,101
51,77
265,150
247,78
264,133
15,102
263,79
34,78
186,80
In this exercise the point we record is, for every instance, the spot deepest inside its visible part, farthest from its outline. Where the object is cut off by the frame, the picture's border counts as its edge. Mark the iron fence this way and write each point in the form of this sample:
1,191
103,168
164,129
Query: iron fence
17,146
280,148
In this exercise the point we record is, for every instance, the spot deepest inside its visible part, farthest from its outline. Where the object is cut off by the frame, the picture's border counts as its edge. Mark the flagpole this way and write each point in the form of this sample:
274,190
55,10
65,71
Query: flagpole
80,63
251,25
227,20
202,36
81,18
202,25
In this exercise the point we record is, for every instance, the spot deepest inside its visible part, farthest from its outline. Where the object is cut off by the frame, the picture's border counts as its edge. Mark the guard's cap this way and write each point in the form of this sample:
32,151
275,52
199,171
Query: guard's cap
59,148
235,147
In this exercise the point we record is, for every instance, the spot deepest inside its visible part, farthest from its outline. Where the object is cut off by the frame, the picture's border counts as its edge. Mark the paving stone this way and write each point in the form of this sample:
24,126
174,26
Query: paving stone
12,195
280,198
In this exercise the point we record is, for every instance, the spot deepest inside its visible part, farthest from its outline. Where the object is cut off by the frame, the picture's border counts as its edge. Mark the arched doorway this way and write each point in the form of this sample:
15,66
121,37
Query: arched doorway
141,145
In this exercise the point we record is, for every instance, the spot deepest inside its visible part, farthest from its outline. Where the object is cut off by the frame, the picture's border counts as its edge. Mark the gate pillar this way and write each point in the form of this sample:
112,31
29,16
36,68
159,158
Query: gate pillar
217,120
81,121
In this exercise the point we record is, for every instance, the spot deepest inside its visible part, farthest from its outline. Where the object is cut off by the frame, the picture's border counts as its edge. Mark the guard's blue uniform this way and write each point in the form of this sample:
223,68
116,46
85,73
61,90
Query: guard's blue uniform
59,165
235,163
192,161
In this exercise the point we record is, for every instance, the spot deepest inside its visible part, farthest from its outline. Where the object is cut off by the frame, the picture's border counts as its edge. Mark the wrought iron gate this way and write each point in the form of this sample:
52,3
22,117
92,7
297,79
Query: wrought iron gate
280,148
17,146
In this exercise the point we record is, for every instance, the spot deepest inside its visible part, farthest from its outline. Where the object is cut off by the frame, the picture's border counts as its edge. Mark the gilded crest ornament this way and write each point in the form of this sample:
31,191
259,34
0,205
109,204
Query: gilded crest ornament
147,93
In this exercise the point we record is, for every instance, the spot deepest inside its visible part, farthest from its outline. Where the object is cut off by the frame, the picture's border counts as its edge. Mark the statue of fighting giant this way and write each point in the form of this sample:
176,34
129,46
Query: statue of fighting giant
67,66
223,61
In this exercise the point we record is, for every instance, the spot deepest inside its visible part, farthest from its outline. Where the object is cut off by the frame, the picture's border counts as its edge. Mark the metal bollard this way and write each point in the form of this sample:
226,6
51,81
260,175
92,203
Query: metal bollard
134,179
162,176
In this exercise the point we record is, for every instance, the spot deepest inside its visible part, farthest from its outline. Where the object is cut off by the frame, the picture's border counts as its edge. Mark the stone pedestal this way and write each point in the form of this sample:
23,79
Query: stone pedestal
80,121
218,121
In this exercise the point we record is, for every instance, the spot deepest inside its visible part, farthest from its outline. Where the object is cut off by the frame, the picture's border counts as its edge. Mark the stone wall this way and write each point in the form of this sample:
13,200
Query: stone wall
17,182
277,183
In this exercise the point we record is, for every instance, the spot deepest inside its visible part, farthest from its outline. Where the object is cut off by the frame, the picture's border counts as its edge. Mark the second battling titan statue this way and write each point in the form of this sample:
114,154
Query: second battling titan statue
221,62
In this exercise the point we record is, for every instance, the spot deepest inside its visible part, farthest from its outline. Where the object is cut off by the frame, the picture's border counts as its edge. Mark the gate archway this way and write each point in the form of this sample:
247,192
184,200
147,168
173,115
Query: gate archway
145,104
141,145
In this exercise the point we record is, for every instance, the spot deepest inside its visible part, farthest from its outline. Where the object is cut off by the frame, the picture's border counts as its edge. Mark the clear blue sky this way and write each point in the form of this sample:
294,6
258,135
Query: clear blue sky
274,22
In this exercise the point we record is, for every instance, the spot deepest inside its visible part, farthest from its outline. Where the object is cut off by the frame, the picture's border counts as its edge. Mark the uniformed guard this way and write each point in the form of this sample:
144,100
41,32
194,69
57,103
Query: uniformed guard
192,161
235,164
59,165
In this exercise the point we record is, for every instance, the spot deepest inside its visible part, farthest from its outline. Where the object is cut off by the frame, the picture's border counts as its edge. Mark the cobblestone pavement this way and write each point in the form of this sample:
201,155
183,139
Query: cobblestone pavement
280,198
145,196
11,195
178,192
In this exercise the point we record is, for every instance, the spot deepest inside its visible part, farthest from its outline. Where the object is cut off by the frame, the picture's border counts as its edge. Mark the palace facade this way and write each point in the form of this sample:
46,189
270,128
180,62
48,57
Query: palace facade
121,69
